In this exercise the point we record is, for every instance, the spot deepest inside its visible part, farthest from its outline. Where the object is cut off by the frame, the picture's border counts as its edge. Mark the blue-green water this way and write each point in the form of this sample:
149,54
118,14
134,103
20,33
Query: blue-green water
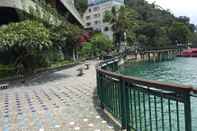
180,71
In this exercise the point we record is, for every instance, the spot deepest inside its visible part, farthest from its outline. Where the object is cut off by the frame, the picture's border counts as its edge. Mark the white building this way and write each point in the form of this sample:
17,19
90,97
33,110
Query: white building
94,15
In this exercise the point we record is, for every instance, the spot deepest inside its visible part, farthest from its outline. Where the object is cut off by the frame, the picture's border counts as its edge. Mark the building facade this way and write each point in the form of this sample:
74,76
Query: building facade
94,15
11,10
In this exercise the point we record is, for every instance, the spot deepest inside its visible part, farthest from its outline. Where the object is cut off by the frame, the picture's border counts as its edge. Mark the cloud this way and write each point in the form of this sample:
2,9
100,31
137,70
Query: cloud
180,7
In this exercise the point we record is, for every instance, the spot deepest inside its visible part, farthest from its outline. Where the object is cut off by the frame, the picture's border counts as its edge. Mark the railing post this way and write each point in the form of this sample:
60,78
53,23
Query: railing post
123,104
99,89
187,109
127,111
98,83
116,66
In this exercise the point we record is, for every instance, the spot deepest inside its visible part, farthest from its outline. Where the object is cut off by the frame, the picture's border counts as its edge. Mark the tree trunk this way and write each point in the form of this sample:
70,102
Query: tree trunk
74,55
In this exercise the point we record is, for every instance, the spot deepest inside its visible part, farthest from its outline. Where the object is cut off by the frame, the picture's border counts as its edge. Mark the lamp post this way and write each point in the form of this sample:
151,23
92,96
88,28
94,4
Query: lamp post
179,45
189,45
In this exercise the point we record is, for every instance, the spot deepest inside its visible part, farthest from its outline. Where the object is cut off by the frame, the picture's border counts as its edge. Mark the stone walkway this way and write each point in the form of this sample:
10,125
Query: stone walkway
59,101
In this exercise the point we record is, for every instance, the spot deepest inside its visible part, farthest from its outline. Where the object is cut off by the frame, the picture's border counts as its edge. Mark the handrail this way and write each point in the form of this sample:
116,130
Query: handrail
149,83
141,104
164,50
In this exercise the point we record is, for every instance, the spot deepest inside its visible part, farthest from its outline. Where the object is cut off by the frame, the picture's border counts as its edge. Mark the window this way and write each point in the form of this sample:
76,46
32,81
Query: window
98,29
97,22
87,17
88,24
96,15
106,28
96,8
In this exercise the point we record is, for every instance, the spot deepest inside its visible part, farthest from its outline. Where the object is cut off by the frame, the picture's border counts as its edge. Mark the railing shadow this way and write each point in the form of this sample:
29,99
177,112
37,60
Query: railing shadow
103,114
40,77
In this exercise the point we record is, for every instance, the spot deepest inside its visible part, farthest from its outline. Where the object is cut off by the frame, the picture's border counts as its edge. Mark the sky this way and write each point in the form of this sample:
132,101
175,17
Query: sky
180,7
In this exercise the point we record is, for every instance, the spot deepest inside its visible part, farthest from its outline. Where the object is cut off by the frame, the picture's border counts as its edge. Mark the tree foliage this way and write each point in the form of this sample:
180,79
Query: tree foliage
148,25
122,20
157,27
86,51
27,40
180,33
97,45
194,39
67,36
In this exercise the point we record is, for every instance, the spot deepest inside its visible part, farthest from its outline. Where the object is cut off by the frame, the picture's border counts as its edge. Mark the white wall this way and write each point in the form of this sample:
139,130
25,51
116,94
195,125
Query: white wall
100,9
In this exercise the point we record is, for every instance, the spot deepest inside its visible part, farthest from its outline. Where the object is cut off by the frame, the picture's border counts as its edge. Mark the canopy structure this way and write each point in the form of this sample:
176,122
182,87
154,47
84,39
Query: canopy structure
23,5
69,4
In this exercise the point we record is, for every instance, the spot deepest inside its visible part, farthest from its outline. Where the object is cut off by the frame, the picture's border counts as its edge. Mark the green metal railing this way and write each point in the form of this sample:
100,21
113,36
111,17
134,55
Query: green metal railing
141,105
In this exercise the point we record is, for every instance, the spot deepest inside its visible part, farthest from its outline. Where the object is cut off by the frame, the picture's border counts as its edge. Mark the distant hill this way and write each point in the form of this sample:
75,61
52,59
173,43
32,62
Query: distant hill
157,27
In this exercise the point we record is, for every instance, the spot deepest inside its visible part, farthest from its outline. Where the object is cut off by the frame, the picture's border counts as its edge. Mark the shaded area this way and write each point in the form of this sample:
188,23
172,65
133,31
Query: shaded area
102,113
8,15
43,76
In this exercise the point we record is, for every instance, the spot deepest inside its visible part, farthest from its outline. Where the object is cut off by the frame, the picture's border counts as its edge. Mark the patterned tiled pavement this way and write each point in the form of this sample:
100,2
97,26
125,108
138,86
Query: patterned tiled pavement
59,101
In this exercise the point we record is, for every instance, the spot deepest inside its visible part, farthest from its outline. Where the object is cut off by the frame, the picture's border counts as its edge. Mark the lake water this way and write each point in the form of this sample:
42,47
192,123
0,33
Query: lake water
180,70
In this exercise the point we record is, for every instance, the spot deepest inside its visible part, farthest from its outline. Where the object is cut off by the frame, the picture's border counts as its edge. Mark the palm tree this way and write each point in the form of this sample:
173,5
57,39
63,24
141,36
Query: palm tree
122,21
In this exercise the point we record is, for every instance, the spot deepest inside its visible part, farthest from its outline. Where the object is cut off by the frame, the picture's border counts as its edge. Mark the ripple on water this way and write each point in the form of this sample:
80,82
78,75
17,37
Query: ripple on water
180,70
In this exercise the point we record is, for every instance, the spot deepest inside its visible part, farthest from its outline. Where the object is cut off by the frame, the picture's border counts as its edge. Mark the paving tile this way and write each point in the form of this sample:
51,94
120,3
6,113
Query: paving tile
58,101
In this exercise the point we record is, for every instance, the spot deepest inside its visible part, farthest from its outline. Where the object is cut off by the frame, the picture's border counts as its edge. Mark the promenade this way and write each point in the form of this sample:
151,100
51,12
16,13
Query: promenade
59,101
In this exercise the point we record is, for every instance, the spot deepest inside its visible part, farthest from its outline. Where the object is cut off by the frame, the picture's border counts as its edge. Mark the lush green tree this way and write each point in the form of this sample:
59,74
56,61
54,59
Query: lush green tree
98,45
67,36
130,37
194,40
159,26
27,40
142,42
59,37
179,33
151,35
87,50
74,33
150,12
186,21
123,21
101,43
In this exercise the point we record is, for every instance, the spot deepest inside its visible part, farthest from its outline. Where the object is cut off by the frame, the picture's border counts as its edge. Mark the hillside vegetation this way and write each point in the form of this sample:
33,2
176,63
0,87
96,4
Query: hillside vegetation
150,26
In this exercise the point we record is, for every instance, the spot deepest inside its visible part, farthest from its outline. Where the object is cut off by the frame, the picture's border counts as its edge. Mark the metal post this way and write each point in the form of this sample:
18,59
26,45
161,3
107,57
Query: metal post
127,111
187,109
123,106
149,57
100,87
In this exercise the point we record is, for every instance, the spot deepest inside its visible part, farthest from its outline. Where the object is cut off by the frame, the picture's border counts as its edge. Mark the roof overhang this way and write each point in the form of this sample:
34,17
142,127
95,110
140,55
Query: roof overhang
24,5
69,4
